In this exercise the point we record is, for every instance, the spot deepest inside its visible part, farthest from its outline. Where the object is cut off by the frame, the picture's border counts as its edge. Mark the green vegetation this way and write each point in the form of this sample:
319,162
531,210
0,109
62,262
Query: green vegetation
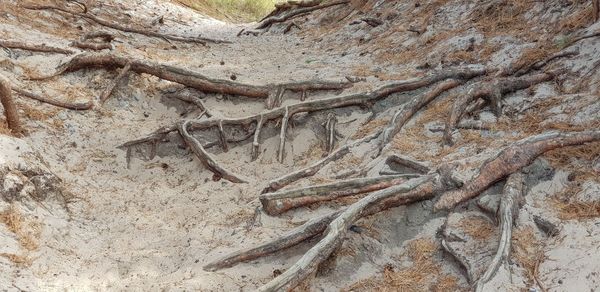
233,10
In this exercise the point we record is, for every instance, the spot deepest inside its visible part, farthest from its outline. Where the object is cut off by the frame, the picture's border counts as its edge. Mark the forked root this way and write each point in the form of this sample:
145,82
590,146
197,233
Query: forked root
512,159
509,210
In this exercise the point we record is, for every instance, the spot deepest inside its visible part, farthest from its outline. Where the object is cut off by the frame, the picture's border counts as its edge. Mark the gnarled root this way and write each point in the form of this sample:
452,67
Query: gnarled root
282,14
34,47
491,91
186,77
511,159
206,158
509,209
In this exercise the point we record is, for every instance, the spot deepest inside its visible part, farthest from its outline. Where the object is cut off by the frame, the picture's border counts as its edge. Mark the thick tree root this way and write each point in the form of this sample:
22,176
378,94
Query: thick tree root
282,15
441,181
124,28
10,110
509,210
34,47
282,201
206,158
491,91
511,159
186,77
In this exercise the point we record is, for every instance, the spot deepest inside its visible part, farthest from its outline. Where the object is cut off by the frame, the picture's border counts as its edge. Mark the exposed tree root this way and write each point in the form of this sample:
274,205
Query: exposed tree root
491,91
417,166
312,169
192,99
287,112
186,77
509,209
282,201
10,110
408,110
440,181
78,106
511,159
284,125
206,158
34,47
537,65
120,27
334,235
330,132
109,90
281,15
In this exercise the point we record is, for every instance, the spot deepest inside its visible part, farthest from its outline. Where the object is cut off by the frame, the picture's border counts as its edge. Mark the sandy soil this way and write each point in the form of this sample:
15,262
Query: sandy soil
153,225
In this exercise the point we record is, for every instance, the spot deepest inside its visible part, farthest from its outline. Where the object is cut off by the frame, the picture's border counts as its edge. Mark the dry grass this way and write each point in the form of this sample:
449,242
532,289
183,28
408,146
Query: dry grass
446,283
4,130
370,128
577,210
585,154
314,153
578,20
477,227
531,55
527,250
19,260
27,231
504,17
418,277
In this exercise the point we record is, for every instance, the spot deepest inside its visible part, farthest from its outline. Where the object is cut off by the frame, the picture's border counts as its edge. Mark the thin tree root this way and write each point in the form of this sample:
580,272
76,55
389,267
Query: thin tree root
34,47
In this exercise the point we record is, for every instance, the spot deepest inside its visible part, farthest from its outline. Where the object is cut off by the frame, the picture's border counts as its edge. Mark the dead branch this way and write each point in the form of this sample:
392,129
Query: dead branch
186,77
222,138
34,47
205,157
282,201
116,26
109,90
491,91
294,12
10,110
407,111
509,209
512,159
78,106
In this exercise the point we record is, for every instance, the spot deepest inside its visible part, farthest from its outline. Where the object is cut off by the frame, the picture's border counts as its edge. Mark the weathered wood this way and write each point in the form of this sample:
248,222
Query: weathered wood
334,235
282,201
492,91
78,106
512,159
256,141
205,157
186,77
34,47
330,132
510,203
10,109
284,125
109,90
